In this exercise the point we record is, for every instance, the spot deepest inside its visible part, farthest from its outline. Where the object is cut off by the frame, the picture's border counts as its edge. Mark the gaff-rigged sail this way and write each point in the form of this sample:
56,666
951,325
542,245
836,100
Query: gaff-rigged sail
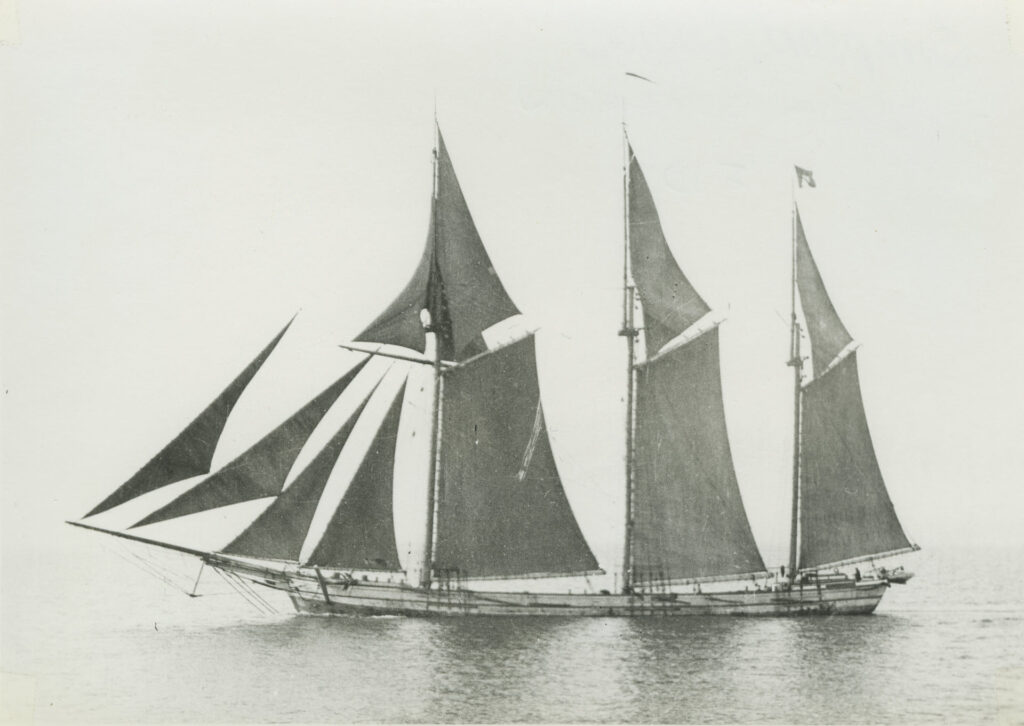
454,280
688,519
502,511
845,510
191,452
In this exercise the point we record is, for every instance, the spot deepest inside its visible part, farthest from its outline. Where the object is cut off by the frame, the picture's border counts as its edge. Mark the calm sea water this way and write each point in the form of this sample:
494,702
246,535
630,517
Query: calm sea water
87,637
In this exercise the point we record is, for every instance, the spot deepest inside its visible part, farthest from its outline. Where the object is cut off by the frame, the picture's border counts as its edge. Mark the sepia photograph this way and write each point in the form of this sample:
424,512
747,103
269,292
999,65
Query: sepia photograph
511,362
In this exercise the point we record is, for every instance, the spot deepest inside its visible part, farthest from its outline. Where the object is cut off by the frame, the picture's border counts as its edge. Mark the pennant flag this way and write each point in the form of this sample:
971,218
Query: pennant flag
804,175
636,75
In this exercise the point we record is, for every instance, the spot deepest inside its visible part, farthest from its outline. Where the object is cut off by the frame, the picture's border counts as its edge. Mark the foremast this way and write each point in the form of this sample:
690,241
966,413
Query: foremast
432,342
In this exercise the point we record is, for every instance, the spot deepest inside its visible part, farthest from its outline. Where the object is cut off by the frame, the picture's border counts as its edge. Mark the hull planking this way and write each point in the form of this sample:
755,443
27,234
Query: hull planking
329,595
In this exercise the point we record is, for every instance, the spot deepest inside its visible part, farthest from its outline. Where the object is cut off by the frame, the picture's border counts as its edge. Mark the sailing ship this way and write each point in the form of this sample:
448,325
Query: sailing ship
452,359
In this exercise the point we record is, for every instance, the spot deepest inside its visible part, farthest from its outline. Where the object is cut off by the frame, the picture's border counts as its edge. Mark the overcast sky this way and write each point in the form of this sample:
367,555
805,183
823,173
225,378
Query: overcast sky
178,178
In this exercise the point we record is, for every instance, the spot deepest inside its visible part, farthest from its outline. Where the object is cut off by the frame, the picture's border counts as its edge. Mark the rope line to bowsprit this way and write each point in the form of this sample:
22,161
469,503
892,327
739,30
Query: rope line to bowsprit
246,591
162,573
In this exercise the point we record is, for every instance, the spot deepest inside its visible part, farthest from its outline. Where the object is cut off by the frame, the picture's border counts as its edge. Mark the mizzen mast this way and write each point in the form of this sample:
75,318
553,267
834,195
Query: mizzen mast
796,363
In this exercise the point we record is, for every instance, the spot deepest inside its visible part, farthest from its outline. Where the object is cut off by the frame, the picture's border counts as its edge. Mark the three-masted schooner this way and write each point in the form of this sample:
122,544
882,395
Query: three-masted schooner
493,505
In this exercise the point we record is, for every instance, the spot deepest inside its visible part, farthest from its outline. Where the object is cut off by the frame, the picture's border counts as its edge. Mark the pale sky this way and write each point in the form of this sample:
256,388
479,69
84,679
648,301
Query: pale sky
179,178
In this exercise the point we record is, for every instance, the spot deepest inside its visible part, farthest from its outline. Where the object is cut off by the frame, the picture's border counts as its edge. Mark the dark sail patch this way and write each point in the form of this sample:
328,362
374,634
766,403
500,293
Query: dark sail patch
191,451
262,469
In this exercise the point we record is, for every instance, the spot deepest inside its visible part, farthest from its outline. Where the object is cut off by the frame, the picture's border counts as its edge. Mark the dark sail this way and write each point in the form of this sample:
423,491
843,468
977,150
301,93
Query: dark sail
454,279
845,510
827,333
502,510
191,451
670,304
361,535
262,469
279,532
689,520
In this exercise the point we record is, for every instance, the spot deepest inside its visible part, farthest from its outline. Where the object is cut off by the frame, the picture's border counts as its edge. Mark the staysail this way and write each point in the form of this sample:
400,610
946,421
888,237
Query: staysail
278,533
191,452
845,510
361,535
688,519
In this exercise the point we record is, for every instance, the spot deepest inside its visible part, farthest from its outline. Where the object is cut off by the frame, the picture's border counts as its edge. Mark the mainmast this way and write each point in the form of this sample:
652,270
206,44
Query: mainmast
430,330
797,364
629,332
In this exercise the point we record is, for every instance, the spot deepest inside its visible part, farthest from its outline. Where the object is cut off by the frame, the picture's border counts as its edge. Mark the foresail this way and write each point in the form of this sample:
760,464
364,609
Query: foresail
670,304
502,511
191,452
262,469
827,333
689,519
845,510
454,280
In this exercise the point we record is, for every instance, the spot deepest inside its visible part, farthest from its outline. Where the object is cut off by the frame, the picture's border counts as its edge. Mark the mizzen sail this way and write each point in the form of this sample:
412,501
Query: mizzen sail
845,512
845,509
826,331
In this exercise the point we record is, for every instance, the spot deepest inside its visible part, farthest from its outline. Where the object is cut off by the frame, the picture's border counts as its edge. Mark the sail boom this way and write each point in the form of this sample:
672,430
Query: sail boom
532,575
703,579
862,558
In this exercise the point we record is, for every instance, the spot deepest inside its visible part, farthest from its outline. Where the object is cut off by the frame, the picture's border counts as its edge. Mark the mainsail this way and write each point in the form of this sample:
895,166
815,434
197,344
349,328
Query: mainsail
845,512
687,516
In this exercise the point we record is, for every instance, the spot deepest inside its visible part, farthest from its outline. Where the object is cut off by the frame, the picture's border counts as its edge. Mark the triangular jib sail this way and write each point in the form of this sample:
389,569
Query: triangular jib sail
845,513
191,452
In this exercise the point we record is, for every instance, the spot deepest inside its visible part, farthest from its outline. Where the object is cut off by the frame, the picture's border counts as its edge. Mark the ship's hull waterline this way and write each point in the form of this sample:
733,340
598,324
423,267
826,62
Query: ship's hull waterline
330,596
